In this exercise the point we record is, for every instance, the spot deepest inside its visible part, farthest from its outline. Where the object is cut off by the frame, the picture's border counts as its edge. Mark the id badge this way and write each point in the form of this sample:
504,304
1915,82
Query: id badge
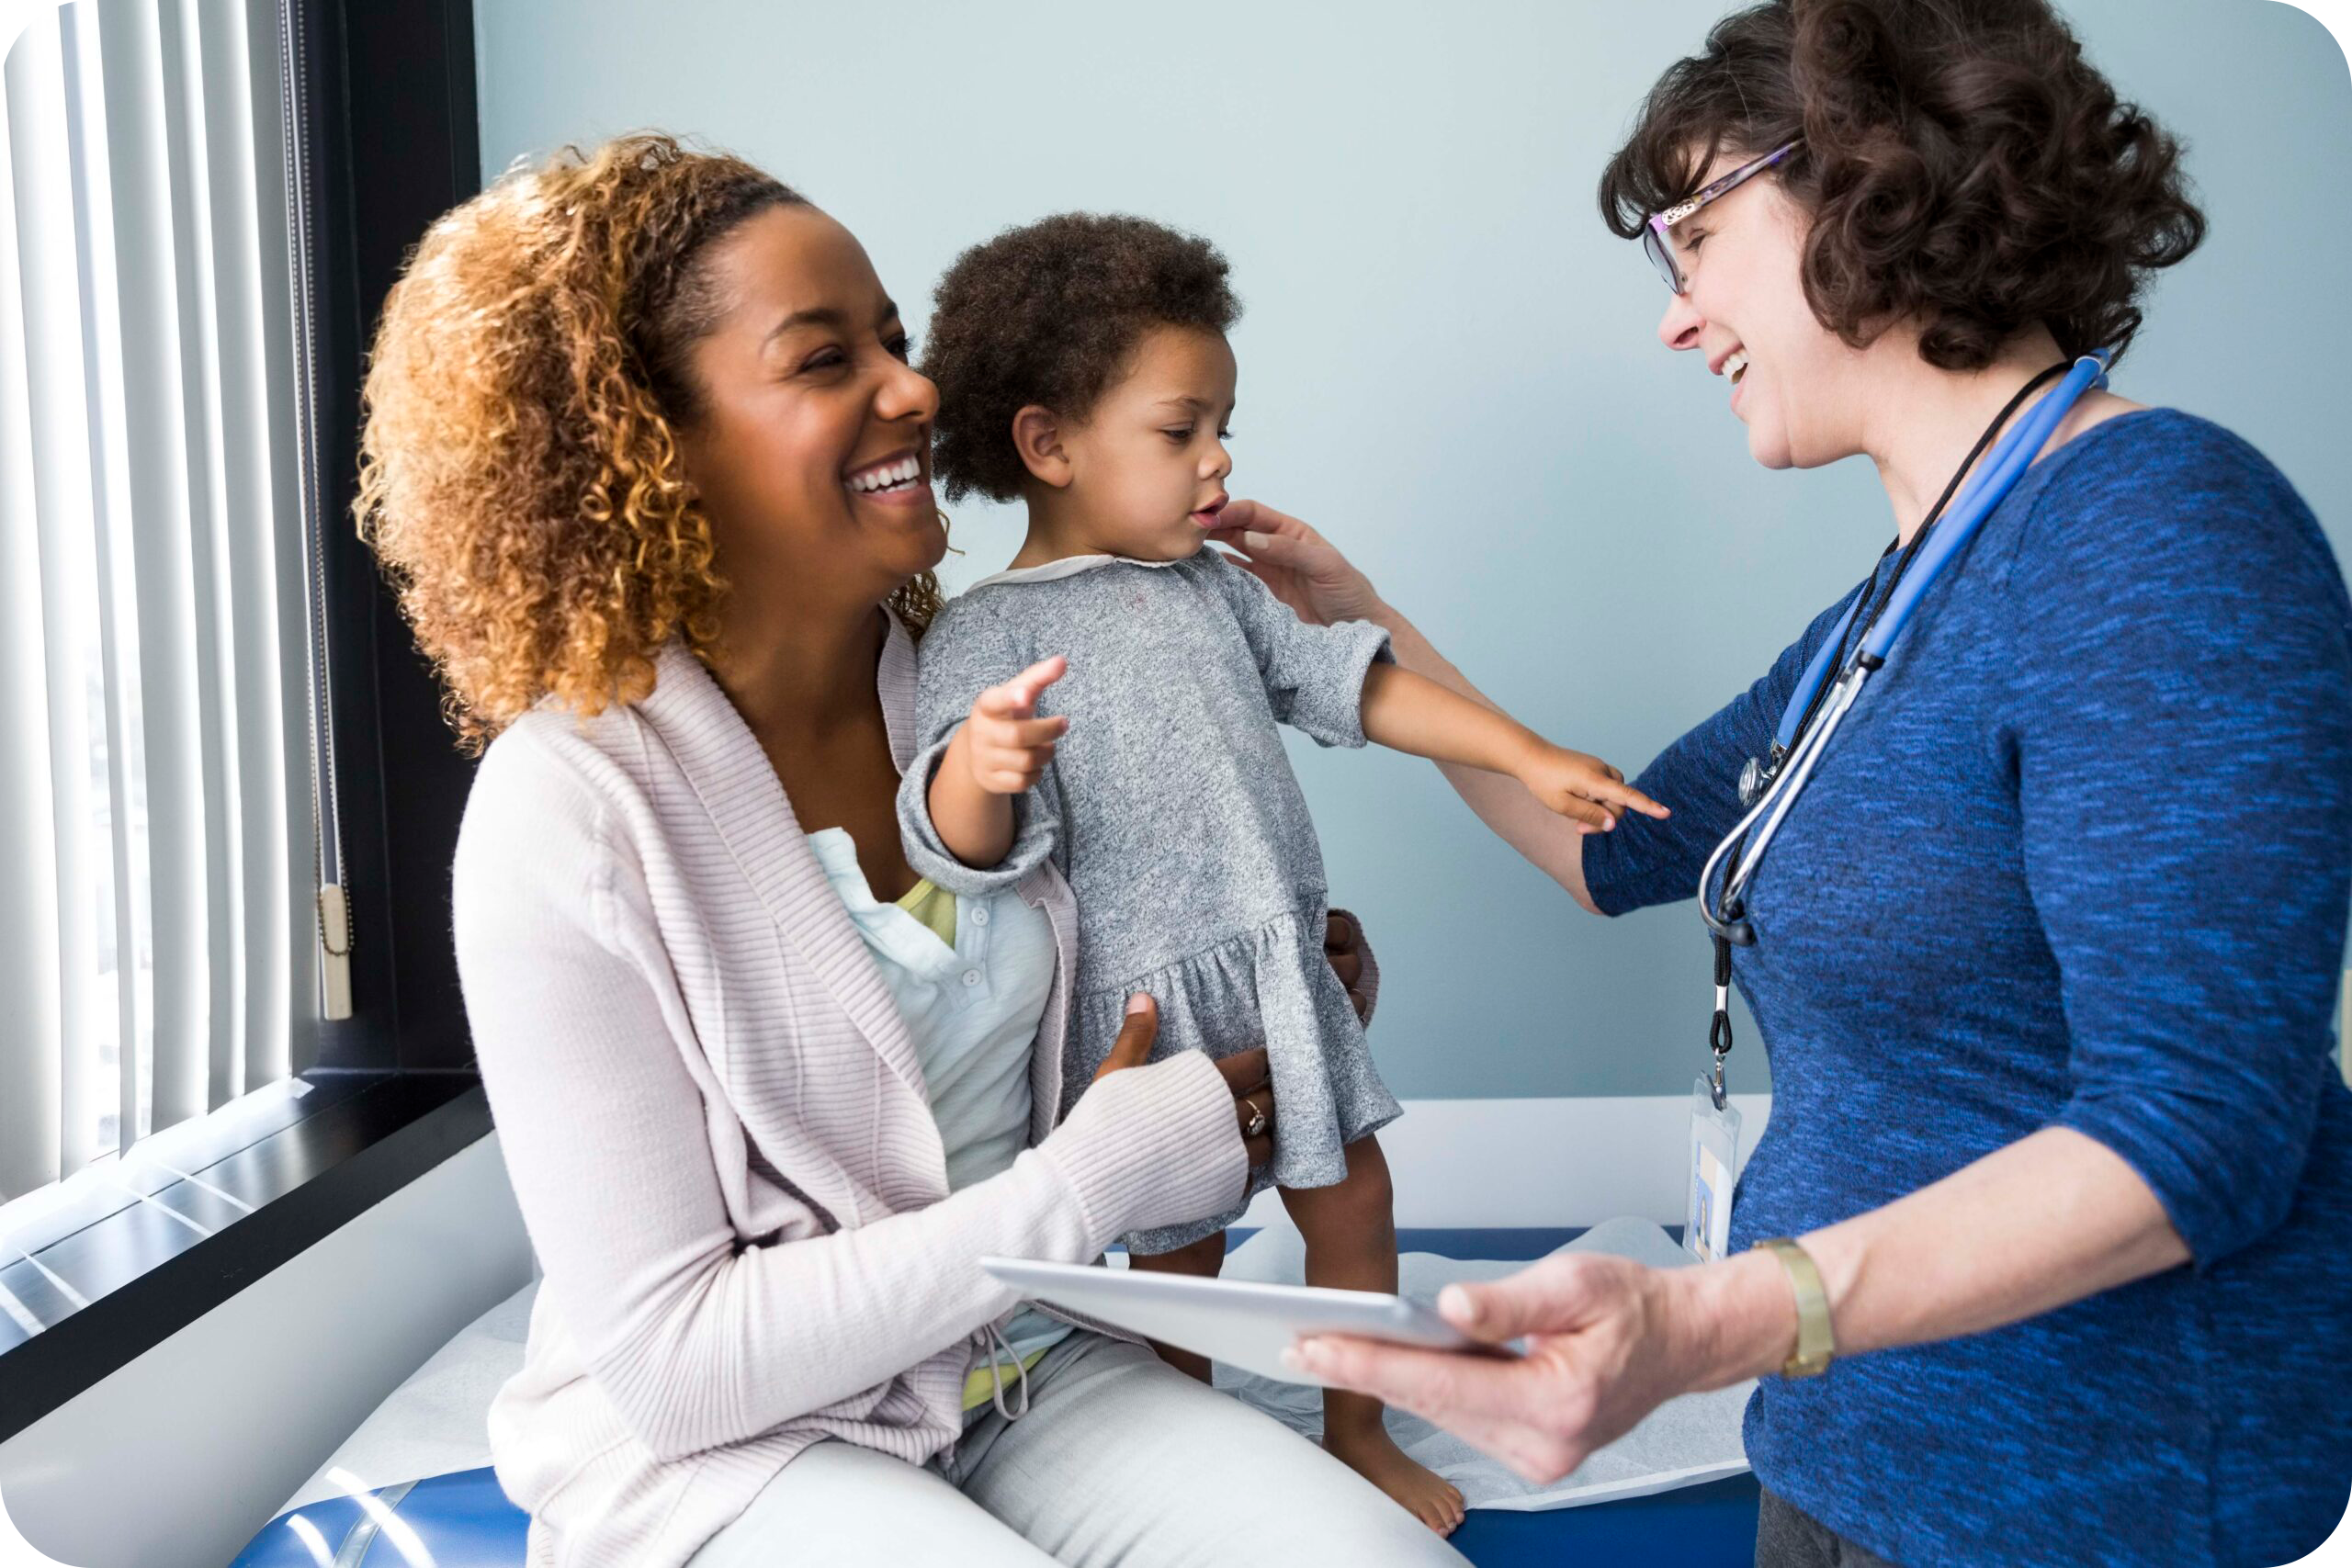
1714,1161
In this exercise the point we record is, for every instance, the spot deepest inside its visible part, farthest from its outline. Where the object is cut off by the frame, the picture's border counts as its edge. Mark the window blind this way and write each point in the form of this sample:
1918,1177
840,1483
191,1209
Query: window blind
159,945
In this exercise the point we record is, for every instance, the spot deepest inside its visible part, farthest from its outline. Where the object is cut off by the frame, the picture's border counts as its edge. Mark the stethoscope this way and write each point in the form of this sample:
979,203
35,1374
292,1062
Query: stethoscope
1769,786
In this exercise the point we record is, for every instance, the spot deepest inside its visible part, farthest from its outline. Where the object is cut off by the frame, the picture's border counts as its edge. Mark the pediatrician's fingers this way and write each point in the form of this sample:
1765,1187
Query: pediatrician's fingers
1264,574
1253,517
1280,549
1241,515
1468,1395
1133,1047
1303,569
1478,1400
1429,1383
1261,540
1241,512
1287,586
1554,1296
1288,566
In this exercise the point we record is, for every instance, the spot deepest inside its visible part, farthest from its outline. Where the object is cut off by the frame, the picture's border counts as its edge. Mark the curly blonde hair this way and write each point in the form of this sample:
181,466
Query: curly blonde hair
519,474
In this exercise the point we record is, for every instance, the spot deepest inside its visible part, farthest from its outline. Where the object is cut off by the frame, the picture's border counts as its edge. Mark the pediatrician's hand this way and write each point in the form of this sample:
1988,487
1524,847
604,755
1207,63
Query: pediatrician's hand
1607,1341
1306,571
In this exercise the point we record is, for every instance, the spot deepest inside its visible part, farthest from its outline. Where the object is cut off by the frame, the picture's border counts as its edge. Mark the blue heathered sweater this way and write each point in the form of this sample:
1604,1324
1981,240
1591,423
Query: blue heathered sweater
2080,857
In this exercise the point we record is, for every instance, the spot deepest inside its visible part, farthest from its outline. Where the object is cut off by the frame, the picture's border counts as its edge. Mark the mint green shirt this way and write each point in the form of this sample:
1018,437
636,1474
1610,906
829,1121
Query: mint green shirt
970,977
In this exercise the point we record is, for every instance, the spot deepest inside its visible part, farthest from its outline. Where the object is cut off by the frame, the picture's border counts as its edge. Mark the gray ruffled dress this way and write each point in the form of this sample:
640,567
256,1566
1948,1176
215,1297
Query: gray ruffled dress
1171,809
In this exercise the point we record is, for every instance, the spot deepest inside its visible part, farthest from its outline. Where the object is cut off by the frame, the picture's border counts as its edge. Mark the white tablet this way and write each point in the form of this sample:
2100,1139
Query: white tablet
1242,1322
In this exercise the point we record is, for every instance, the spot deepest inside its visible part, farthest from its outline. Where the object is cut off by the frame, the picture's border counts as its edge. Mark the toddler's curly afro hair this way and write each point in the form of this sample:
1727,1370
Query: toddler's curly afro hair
1046,313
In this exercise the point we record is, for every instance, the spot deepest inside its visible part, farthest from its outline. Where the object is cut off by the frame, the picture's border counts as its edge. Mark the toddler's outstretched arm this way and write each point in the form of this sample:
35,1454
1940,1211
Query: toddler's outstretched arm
999,751
1412,713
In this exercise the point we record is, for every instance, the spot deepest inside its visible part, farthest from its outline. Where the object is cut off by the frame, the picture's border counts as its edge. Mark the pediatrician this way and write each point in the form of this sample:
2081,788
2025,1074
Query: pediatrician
2055,1207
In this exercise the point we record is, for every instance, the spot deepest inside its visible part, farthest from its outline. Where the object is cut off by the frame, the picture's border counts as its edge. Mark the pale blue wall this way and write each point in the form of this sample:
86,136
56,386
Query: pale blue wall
1449,364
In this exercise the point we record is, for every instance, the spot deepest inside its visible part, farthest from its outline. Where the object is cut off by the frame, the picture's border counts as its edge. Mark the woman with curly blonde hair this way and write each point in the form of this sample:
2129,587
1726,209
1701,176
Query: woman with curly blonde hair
647,462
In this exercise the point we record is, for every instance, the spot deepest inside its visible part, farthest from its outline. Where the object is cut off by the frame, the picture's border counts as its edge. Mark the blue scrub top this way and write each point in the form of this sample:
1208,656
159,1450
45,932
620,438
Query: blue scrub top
2080,857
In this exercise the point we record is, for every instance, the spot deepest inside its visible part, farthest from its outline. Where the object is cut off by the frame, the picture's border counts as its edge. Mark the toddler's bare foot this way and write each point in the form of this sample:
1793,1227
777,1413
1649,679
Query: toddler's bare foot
1371,1452
1351,1244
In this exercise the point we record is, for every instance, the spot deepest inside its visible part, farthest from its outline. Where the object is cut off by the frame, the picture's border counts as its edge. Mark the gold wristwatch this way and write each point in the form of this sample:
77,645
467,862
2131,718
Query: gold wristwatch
1816,1345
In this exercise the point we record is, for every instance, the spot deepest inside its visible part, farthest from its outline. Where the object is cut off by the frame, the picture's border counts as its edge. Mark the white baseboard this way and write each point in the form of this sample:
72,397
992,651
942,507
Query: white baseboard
1477,1163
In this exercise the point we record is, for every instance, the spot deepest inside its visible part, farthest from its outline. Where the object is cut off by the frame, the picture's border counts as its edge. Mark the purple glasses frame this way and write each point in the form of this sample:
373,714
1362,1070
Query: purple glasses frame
1660,249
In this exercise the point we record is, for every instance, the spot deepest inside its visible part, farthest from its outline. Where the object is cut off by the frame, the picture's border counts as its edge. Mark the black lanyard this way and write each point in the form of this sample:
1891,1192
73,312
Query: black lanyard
1719,1033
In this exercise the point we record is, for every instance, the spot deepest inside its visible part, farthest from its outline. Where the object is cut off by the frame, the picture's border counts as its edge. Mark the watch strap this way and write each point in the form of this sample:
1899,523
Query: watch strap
1816,1344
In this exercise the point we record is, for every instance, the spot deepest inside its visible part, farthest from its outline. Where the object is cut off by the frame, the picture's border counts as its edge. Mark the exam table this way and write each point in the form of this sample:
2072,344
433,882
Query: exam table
459,1518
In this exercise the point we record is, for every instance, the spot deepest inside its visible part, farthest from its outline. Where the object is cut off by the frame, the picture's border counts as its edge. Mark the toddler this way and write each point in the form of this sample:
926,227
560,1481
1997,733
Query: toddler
1110,702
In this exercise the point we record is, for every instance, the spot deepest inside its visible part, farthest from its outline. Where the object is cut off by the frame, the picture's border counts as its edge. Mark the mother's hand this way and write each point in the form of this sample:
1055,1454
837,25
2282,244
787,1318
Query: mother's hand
1343,950
1306,571
1245,1074
1608,1339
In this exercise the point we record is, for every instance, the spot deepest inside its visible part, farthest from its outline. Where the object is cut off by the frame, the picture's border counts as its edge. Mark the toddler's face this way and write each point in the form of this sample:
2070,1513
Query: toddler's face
1147,467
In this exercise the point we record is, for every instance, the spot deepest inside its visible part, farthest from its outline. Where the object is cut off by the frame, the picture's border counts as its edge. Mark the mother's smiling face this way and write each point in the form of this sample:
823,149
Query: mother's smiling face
808,438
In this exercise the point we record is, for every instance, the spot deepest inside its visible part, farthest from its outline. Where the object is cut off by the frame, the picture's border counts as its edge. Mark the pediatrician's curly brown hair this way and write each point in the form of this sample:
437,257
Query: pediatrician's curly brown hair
520,475
1965,168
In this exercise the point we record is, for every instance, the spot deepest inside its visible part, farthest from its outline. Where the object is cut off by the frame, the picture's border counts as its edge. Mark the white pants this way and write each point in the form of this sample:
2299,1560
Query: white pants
1122,1461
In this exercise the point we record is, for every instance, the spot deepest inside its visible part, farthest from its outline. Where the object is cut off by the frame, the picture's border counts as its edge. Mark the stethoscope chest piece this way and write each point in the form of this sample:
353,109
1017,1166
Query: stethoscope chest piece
1757,776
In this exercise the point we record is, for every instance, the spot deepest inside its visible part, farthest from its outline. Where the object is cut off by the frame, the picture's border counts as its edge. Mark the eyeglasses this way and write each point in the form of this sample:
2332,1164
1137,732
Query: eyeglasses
1660,249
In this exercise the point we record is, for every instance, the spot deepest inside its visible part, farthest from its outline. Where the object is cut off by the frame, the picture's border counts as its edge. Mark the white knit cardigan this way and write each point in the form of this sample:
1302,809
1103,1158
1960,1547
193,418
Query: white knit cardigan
718,1136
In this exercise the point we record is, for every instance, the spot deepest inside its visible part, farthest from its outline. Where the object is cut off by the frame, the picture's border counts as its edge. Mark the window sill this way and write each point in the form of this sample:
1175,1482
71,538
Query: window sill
151,1250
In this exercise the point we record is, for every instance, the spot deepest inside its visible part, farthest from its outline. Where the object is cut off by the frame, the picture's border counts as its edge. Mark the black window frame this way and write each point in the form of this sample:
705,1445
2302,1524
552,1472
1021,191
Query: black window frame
389,121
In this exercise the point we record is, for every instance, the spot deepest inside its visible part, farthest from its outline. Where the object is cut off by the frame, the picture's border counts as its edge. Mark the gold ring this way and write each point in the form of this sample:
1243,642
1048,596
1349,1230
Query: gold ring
1257,1120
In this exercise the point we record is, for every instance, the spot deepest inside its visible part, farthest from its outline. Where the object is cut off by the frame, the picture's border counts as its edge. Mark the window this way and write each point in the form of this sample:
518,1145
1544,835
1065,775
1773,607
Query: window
154,570
227,802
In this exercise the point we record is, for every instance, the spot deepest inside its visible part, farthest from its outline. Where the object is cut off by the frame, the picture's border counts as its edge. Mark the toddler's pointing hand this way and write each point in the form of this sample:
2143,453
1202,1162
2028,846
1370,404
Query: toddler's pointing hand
1006,744
1582,788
